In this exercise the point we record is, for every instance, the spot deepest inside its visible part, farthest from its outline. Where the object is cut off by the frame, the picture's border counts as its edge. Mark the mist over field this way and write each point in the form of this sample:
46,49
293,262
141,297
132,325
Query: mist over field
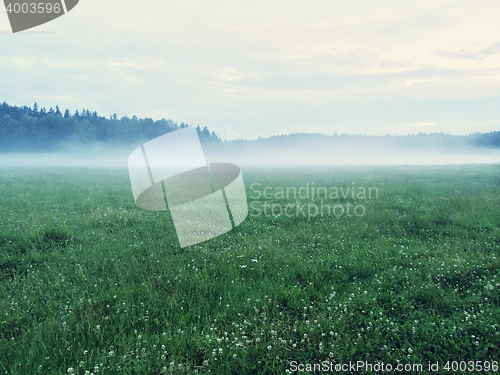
116,158
317,153
271,158
262,154
36,137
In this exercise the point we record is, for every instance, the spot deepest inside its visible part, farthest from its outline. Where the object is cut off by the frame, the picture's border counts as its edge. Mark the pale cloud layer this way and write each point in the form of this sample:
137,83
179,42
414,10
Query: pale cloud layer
267,67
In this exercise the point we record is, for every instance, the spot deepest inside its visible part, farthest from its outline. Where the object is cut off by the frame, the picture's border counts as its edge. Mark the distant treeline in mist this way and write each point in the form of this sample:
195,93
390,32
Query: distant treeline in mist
421,140
37,129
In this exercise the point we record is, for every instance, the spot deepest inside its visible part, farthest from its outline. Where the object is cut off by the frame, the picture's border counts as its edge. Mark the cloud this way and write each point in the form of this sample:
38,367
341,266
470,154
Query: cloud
421,124
357,81
492,49
461,54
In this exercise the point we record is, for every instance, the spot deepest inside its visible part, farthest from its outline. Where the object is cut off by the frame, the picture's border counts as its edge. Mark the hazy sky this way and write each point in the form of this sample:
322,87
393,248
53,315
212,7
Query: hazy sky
258,68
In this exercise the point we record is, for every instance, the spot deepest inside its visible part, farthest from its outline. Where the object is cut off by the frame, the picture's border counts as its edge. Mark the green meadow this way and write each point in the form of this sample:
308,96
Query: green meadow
91,284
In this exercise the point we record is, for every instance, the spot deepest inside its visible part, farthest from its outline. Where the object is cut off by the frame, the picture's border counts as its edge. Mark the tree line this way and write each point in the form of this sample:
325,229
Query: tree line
38,129
420,140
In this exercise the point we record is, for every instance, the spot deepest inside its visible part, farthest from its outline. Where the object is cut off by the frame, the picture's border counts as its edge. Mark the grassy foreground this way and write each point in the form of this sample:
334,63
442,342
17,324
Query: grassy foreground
89,283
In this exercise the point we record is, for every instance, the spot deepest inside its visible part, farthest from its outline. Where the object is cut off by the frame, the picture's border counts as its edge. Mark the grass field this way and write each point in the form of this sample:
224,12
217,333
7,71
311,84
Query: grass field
89,283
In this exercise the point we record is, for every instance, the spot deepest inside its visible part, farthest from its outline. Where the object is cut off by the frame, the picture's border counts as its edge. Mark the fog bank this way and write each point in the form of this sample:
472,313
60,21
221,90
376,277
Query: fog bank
118,158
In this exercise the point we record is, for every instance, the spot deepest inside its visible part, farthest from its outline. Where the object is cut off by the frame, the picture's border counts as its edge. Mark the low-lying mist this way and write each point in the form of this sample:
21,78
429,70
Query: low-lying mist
257,155
90,156
318,153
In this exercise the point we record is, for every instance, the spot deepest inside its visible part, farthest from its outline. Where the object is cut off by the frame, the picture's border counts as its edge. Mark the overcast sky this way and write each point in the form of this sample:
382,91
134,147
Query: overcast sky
259,68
